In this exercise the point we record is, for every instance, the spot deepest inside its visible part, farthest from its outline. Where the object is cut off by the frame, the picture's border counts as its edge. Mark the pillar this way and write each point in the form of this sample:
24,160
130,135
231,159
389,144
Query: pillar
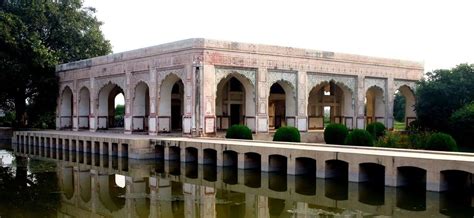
262,104
207,100
93,106
353,172
433,181
302,103
188,99
128,100
389,103
360,112
152,116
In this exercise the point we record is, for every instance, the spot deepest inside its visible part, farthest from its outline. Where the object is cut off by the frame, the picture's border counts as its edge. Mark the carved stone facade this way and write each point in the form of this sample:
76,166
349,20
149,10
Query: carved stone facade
186,80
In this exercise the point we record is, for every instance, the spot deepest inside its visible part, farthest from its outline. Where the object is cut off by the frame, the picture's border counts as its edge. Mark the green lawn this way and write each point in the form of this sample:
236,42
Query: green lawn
399,126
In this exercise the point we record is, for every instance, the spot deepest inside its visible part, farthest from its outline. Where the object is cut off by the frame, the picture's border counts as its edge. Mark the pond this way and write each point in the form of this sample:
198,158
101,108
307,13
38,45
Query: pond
86,185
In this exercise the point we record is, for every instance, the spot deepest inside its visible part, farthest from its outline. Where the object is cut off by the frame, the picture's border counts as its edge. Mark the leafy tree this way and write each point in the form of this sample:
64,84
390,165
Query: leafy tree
399,107
35,36
441,94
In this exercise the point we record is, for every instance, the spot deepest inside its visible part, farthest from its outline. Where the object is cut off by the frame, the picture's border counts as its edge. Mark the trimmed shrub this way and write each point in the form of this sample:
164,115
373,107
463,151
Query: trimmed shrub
462,125
394,140
377,129
441,142
359,137
335,134
287,134
239,132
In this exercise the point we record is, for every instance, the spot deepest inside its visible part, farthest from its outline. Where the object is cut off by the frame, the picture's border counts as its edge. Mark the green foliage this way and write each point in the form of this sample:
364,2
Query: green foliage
419,140
120,109
239,132
287,134
399,107
8,120
442,93
441,142
377,129
462,125
359,137
335,134
34,37
394,140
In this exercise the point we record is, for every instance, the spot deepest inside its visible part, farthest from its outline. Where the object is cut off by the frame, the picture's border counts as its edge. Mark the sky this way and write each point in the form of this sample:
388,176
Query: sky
439,34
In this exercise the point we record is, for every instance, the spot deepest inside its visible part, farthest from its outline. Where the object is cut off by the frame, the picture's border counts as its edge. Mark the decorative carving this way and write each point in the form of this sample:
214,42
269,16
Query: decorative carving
400,83
288,77
221,73
162,74
315,79
369,82
101,82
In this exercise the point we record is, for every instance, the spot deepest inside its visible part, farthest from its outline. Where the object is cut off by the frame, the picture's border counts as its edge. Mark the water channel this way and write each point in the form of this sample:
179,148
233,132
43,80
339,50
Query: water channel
85,185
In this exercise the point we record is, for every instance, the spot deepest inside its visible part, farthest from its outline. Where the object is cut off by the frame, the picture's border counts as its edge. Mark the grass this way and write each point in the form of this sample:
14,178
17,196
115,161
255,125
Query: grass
400,126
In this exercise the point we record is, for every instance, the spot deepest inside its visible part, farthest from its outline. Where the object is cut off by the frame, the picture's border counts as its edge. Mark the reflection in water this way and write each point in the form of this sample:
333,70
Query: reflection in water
112,186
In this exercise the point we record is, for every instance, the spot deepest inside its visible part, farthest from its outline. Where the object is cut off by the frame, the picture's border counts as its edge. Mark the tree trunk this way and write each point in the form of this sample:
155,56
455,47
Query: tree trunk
20,109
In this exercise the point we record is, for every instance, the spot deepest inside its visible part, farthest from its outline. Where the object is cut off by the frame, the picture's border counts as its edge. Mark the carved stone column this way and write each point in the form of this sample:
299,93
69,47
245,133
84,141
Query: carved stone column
262,104
360,104
75,107
302,103
128,101
389,103
152,124
208,100
93,106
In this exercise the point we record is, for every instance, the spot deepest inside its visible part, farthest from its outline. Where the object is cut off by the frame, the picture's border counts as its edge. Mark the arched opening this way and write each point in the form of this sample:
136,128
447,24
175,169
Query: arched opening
141,107
171,107
229,159
281,105
374,105
457,197
411,177
111,107
336,183
66,109
305,166
174,153
235,103
403,107
337,170
371,184
191,155
209,157
84,108
252,161
329,102
111,191
277,163
85,185
68,182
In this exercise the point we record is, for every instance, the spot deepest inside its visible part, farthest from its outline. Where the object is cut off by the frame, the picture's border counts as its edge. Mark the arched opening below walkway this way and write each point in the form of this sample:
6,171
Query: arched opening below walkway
457,181
252,161
337,170
305,166
277,163
372,173
230,159
174,153
209,157
191,155
412,177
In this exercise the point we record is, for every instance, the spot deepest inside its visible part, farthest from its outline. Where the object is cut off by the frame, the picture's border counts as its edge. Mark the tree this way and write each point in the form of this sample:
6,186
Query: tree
35,36
399,107
441,94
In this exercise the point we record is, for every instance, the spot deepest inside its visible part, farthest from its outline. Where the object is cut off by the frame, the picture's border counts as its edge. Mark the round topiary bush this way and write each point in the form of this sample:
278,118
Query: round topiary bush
287,134
441,142
359,137
239,132
377,129
335,134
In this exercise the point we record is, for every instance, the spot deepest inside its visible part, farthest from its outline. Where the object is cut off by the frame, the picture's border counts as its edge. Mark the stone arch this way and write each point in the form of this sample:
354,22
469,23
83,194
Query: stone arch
66,108
335,95
375,105
285,101
85,186
140,107
408,95
106,106
84,108
244,105
171,103
68,182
